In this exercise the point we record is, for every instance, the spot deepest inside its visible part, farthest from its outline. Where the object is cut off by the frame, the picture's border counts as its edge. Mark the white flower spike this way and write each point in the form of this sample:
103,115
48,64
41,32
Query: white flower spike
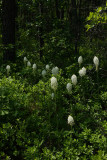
96,62
80,60
69,87
25,60
47,67
70,120
8,69
74,79
54,83
28,64
44,73
52,95
82,72
55,71
34,66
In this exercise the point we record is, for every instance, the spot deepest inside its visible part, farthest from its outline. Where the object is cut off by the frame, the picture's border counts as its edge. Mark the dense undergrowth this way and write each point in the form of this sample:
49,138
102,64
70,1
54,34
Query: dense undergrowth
35,103
33,124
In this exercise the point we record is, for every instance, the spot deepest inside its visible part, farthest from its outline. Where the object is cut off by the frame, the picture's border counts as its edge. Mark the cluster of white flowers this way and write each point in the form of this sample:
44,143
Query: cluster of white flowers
8,69
82,72
70,120
52,95
55,71
25,60
80,60
47,67
34,66
54,83
44,73
28,64
96,62
74,79
69,87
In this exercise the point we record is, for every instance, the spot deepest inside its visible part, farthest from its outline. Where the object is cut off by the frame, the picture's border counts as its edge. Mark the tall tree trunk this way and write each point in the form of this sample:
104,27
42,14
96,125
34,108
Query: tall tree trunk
41,31
8,29
62,14
57,9
79,25
74,22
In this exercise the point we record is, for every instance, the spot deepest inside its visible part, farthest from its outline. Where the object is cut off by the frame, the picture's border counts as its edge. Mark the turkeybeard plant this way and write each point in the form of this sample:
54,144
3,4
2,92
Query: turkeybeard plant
34,66
25,60
70,120
52,95
69,87
80,60
28,64
82,72
96,62
54,83
74,79
44,73
8,69
47,67
55,71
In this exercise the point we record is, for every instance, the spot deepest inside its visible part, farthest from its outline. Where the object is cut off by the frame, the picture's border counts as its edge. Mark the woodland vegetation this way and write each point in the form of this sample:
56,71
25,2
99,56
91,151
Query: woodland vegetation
53,80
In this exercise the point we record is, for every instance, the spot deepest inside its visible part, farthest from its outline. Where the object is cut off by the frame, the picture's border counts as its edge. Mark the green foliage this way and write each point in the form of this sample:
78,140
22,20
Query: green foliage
34,126
97,17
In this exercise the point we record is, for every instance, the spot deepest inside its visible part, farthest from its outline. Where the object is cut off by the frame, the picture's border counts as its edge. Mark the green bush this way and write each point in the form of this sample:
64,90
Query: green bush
34,125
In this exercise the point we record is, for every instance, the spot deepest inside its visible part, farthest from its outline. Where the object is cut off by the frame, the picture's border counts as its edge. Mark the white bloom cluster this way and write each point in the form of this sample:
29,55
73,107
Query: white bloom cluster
74,79
80,60
52,95
54,83
47,67
28,64
82,72
69,87
55,71
34,66
44,73
96,62
25,60
8,69
70,120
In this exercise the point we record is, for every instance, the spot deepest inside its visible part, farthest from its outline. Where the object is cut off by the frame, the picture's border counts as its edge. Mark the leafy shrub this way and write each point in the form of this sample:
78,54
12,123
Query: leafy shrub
34,124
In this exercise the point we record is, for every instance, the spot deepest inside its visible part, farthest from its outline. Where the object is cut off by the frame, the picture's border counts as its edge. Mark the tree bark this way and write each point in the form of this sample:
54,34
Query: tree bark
74,22
62,13
8,29
57,9
41,31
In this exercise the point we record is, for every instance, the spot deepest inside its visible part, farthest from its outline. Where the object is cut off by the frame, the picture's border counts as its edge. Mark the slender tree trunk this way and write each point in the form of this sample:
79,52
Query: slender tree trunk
62,14
57,9
79,25
74,23
41,31
8,29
